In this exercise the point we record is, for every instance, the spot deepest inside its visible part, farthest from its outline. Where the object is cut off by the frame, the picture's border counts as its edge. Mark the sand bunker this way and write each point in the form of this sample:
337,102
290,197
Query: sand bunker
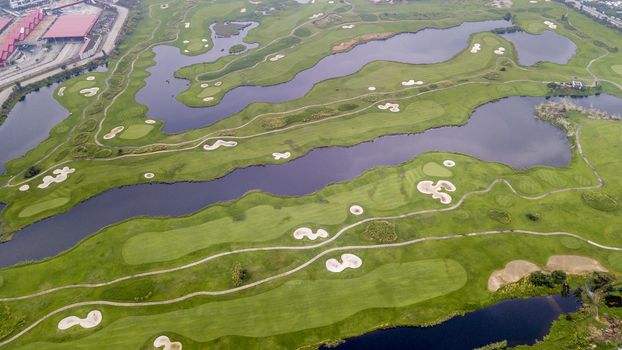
449,163
150,121
476,47
348,261
204,40
61,91
207,99
89,92
113,133
277,155
356,210
255,2
166,343
317,15
91,320
61,176
412,82
163,6
243,10
219,143
186,41
218,83
550,24
307,232
206,45
186,51
518,269
347,26
276,58
204,85
502,3
513,272
371,88
149,176
500,51
533,1
393,107
428,187
90,78
573,264
24,188
187,25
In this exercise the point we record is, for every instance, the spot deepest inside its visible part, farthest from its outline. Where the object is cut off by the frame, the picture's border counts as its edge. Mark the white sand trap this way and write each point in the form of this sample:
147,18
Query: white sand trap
513,272
164,6
24,188
166,343
356,210
573,264
90,78
89,92
348,26
186,51
276,58
550,24
255,2
277,155
149,176
206,45
219,143
186,41
428,187
533,1
393,107
150,121
187,25
371,88
218,83
348,261
61,91
243,10
91,320
61,176
204,85
207,99
412,82
317,15
307,232
449,163
204,40
476,47
500,51
113,133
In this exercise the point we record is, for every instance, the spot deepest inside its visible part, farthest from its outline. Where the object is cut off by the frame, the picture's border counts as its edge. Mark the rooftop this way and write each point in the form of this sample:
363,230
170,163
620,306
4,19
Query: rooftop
71,26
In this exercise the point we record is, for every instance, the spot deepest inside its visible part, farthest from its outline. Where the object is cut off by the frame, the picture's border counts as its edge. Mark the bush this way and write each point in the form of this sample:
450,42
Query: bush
237,48
302,32
558,277
381,232
533,216
10,321
500,215
539,279
238,275
32,172
599,201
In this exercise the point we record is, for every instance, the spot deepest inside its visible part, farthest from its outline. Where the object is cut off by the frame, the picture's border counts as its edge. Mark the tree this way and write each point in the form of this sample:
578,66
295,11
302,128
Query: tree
558,277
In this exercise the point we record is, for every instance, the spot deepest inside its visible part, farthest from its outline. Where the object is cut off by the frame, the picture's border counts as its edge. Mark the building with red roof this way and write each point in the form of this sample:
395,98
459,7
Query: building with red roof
71,26
19,31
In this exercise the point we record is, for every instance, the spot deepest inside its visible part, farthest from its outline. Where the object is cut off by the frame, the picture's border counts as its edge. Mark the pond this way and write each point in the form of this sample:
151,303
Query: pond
548,46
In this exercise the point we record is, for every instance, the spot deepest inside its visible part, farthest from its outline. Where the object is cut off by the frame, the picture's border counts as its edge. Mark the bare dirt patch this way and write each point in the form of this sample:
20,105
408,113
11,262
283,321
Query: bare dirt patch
573,264
347,45
513,272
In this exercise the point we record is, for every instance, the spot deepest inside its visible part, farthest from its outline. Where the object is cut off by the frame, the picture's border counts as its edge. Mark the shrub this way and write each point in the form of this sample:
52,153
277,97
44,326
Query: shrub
539,279
32,172
558,277
533,217
599,200
237,48
500,215
381,232
10,321
302,32
238,275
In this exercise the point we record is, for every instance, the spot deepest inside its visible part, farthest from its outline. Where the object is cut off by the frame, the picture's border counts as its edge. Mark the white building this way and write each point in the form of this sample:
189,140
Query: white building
20,4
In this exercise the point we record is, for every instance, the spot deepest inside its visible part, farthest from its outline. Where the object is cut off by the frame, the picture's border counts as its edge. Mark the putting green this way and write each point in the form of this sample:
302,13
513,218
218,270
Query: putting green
435,169
328,301
135,132
209,91
43,206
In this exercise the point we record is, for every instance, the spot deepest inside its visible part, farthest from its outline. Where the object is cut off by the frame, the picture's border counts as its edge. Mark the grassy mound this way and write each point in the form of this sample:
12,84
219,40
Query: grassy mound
500,215
599,201
380,232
